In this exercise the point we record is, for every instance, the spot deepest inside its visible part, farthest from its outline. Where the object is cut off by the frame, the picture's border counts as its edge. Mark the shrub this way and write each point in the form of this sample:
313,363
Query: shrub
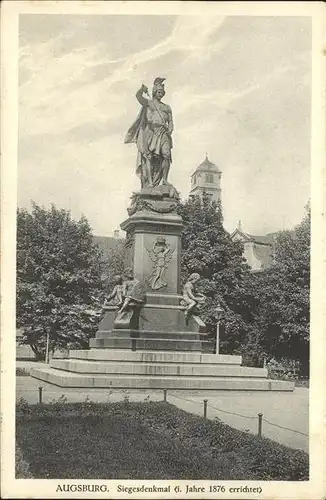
22,467
21,372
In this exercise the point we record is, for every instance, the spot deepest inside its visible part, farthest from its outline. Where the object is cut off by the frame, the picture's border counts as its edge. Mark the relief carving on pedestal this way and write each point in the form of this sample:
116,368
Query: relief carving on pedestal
160,254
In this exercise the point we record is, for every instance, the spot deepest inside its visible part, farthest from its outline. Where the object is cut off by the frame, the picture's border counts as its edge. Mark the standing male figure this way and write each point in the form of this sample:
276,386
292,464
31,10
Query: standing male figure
152,132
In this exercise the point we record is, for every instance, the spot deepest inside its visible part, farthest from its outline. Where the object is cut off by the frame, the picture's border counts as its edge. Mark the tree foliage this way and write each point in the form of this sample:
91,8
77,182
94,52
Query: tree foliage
283,313
59,279
266,314
114,263
226,279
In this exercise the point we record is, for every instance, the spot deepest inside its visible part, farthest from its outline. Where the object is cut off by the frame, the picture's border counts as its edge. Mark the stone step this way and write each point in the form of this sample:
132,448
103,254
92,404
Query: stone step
150,344
149,334
74,380
154,356
157,369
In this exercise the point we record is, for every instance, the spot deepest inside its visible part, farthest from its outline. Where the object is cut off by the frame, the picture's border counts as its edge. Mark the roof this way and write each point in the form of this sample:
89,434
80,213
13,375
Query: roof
267,239
207,166
107,244
263,240
262,247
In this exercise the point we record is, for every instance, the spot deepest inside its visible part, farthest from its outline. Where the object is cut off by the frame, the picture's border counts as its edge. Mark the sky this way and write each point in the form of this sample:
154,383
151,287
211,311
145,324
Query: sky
239,88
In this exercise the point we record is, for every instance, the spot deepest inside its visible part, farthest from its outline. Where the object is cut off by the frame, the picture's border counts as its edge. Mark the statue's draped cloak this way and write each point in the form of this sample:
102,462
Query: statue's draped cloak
149,139
136,134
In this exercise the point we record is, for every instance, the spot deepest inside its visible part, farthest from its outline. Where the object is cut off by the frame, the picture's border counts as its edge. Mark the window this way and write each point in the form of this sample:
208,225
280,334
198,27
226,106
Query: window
209,178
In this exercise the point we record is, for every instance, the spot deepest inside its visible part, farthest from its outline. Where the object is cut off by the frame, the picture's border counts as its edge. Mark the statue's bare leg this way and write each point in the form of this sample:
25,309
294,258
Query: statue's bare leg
166,161
148,167
165,170
146,177
190,307
156,172
125,305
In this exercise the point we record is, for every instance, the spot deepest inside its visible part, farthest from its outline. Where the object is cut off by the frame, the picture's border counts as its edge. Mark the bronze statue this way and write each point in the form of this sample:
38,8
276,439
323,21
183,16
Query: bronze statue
152,133
133,292
116,297
132,295
160,254
191,300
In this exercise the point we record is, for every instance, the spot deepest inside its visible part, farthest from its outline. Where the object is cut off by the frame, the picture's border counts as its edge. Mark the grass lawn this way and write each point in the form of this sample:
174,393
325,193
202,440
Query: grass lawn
149,440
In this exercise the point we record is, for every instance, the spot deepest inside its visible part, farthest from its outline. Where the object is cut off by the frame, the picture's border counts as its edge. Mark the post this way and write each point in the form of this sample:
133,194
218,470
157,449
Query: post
47,347
260,423
205,408
218,314
40,389
165,395
217,350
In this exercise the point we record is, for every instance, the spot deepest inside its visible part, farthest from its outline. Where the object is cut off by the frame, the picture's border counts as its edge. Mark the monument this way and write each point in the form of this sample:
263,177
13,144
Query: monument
151,335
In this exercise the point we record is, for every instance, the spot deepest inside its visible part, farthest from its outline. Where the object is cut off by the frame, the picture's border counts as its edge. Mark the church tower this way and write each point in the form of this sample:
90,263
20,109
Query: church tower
206,178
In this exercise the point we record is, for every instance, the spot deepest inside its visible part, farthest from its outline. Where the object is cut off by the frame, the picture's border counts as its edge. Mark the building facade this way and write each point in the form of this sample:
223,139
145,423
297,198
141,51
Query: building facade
258,250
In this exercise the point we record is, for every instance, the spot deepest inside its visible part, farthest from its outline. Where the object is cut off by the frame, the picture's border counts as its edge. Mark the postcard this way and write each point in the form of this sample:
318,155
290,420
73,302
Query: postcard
163,250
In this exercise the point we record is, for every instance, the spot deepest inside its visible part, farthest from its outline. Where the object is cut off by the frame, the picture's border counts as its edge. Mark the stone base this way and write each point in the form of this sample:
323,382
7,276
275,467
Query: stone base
162,312
160,199
137,344
161,325
108,369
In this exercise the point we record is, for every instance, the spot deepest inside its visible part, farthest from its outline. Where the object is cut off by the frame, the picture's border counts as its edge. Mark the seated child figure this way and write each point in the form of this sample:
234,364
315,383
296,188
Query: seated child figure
133,291
117,292
189,296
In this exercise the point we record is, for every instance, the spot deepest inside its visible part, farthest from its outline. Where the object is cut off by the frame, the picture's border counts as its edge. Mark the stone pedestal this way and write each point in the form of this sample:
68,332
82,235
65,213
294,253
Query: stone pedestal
155,229
145,228
154,347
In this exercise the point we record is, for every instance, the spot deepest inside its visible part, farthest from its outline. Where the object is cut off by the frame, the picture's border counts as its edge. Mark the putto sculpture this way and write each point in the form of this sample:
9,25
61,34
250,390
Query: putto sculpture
116,296
134,292
128,296
190,298
152,133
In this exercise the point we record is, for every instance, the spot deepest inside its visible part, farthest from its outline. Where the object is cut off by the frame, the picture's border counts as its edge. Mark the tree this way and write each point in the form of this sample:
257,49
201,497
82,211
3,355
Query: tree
59,279
209,250
284,289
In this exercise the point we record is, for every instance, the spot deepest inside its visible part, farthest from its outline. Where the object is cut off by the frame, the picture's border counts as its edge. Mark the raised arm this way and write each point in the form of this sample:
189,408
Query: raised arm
108,298
139,95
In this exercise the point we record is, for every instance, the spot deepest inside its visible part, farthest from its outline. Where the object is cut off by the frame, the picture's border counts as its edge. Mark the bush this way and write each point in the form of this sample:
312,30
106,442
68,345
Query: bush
22,467
21,372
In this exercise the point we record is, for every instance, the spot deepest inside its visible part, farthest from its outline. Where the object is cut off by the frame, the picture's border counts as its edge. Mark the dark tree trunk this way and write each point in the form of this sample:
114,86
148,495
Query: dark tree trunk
39,356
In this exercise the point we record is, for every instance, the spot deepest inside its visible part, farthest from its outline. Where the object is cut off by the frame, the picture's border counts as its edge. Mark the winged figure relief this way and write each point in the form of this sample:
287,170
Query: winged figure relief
160,254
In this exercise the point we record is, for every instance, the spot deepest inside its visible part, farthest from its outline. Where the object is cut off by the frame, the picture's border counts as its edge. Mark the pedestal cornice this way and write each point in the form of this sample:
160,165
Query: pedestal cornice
154,223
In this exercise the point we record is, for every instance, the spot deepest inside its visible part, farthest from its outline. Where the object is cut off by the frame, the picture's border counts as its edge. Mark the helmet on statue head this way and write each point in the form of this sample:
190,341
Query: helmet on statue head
158,85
